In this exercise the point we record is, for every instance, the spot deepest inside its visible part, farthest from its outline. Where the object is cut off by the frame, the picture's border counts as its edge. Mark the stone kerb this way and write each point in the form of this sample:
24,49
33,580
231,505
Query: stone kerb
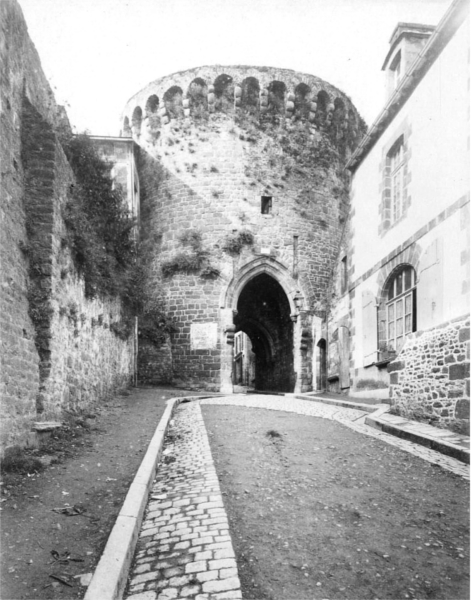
110,576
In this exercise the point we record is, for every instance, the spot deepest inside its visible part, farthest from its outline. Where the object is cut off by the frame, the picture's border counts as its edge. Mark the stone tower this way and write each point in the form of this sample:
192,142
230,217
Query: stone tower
244,205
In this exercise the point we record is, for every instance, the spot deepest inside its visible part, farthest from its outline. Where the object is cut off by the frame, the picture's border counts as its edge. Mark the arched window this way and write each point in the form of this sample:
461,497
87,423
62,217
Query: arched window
198,96
173,100
250,95
302,101
126,128
400,307
339,112
152,104
323,101
137,121
224,92
276,97
152,121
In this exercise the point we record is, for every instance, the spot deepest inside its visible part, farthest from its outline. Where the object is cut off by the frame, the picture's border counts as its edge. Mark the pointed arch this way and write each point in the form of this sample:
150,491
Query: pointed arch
270,266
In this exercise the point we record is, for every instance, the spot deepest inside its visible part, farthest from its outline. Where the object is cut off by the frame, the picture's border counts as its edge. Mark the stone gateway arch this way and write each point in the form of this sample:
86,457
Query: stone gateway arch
244,202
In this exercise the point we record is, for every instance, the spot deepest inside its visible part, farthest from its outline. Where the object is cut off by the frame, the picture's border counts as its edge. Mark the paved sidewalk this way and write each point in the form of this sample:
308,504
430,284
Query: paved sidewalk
184,548
442,440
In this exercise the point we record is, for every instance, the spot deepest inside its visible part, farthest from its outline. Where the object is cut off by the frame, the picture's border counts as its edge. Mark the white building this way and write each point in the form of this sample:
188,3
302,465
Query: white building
408,253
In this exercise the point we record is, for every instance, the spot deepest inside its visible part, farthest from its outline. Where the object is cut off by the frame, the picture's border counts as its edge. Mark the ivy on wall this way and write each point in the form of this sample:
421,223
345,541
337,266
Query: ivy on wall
104,251
193,259
234,243
98,222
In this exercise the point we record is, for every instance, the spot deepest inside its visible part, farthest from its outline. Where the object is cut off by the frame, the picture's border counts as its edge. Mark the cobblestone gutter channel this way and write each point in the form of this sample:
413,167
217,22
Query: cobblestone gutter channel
184,548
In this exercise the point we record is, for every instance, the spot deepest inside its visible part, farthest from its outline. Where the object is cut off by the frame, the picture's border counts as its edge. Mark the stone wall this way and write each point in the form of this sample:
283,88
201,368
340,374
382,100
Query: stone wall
209,173
431,373
58,351
155,365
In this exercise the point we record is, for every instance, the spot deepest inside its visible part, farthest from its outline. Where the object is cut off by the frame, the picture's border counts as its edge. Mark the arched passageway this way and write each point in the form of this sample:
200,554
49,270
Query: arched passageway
263,313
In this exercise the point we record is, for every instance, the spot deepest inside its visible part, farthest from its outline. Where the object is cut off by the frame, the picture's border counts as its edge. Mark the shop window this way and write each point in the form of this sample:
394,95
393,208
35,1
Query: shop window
400,308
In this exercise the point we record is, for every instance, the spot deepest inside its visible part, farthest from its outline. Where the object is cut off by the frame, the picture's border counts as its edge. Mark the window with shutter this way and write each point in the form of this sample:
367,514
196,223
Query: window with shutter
400,308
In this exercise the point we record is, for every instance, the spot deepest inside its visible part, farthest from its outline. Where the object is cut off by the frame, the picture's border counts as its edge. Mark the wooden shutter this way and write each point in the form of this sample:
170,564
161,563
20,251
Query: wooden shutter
430,286
369,328
344,353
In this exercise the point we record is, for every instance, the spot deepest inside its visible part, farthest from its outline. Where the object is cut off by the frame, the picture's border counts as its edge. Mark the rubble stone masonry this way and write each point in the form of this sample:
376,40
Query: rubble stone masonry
208,168
432,372
57,349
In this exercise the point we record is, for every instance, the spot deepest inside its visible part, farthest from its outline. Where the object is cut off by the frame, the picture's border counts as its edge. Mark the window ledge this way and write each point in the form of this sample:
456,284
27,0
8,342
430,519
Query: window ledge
384,362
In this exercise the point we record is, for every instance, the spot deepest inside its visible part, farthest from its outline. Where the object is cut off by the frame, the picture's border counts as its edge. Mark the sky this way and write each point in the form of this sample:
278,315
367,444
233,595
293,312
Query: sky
98,53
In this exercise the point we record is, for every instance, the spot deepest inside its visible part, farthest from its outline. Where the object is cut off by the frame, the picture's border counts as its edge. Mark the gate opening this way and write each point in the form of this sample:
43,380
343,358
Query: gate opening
263,314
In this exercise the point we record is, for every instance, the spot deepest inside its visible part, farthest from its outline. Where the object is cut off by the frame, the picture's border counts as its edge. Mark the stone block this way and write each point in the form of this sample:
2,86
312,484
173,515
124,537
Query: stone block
397,365
462,409
459,371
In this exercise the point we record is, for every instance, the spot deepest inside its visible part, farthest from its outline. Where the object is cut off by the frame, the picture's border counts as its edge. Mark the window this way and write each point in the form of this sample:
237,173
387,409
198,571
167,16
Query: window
400,308
396,160
395,186
266,205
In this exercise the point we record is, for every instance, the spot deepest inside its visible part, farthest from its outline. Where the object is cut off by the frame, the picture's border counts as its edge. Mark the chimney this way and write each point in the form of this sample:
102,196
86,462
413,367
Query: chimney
406,42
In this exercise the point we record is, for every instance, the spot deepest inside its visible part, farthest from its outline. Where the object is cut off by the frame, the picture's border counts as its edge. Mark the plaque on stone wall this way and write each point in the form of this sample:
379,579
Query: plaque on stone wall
204,336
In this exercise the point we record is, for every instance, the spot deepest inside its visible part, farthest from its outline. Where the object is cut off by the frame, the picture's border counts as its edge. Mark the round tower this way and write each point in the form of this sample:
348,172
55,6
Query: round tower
243,207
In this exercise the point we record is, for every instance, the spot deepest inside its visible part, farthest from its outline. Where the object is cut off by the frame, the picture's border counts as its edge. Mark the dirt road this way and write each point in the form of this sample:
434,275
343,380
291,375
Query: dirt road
319,511
93,464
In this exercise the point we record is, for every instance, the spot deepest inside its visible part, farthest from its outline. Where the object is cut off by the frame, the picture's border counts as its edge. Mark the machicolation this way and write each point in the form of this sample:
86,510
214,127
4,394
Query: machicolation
244,203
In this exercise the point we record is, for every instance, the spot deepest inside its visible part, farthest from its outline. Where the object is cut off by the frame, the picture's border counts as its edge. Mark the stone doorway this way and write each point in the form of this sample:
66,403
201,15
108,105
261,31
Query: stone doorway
263,314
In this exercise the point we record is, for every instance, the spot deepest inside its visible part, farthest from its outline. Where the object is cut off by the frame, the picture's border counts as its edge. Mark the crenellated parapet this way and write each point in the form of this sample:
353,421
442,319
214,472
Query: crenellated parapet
243,188
264,94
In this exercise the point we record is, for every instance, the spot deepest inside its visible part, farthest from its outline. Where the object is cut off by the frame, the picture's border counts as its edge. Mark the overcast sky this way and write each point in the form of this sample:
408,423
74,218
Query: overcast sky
98,53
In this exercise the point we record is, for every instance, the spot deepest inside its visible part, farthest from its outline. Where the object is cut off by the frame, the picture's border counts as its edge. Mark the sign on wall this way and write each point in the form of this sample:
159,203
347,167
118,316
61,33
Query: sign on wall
204,336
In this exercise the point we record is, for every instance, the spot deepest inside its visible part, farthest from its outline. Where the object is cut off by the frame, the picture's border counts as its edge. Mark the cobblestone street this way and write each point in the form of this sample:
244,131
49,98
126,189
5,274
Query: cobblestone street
184,549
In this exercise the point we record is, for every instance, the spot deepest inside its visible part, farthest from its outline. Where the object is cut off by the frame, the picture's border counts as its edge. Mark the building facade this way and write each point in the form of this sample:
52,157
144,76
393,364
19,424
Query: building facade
406,310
